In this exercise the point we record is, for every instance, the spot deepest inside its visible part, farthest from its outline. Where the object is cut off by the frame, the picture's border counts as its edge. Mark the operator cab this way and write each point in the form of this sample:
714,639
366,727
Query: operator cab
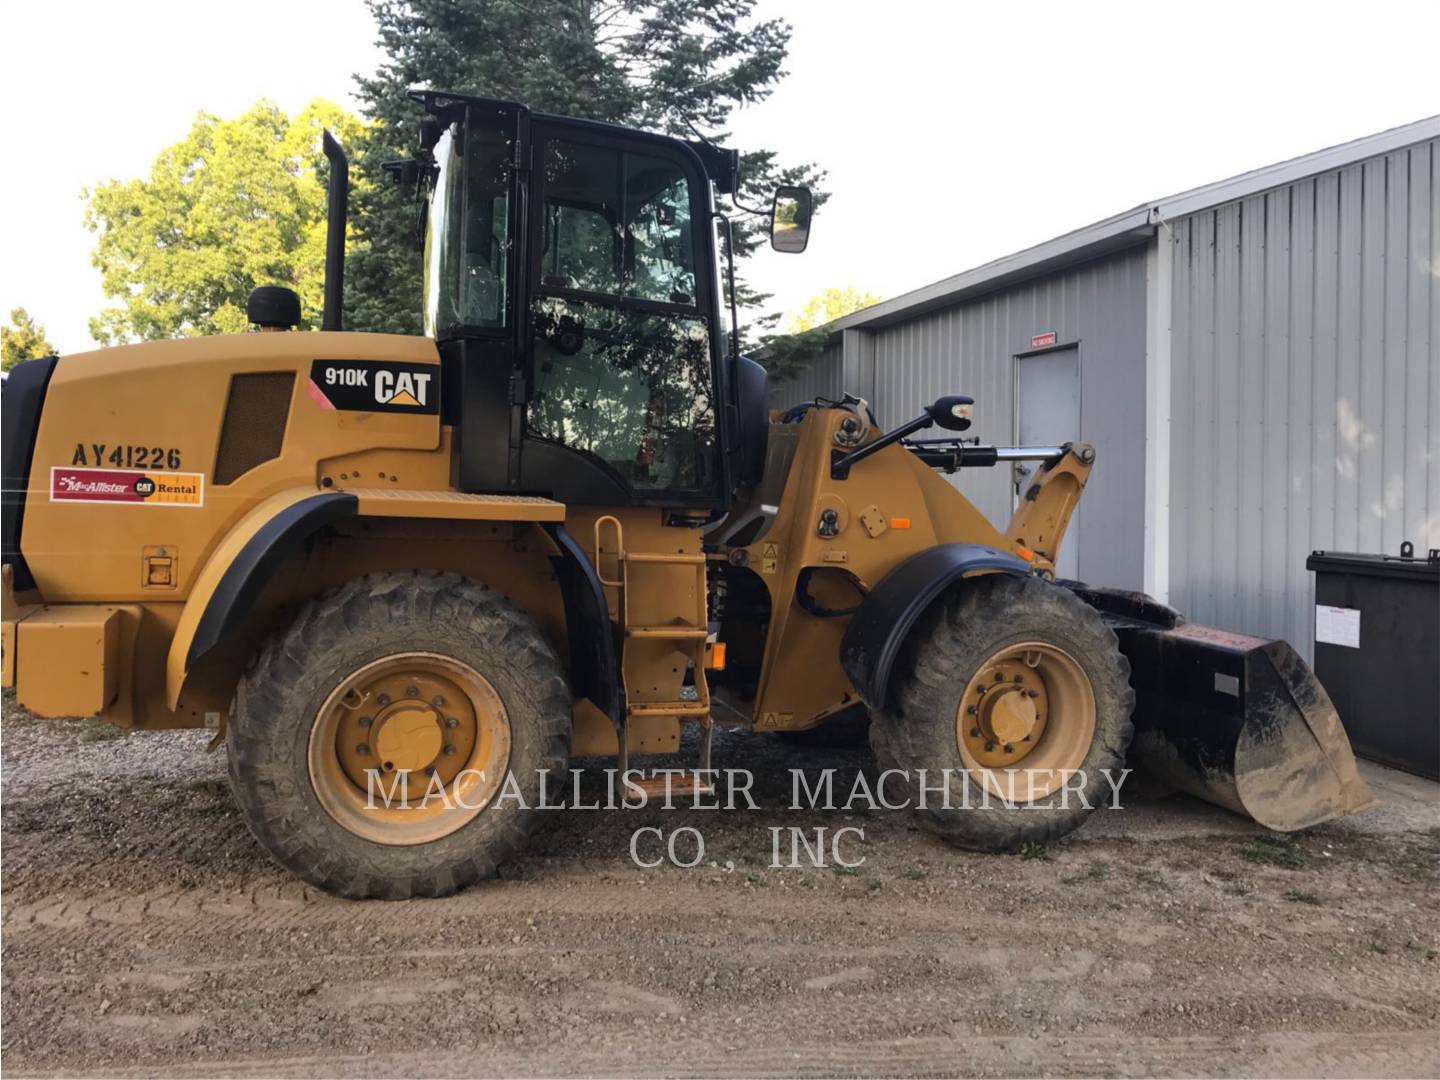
572,279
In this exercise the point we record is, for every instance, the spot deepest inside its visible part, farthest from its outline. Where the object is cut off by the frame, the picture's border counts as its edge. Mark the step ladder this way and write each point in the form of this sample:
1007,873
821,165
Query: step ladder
663,615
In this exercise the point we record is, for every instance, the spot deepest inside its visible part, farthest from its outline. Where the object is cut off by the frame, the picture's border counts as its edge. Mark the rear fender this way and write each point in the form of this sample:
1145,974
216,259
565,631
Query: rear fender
225,590
594,659
877,629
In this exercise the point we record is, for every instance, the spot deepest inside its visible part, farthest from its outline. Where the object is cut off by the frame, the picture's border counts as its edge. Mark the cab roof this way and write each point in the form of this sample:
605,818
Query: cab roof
721,165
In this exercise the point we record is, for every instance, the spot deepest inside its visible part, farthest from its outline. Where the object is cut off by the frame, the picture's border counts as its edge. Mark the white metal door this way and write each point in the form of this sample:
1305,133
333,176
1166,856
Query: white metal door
1047,413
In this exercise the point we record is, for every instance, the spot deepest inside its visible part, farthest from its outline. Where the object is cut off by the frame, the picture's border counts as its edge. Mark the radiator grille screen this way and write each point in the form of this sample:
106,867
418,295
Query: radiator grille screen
254,428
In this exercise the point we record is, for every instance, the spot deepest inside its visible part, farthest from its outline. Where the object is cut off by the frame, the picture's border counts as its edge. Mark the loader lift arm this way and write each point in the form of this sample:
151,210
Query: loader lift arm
1040,520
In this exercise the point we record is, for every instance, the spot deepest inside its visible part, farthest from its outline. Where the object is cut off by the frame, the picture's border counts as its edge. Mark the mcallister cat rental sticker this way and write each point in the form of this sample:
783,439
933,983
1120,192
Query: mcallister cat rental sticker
133,487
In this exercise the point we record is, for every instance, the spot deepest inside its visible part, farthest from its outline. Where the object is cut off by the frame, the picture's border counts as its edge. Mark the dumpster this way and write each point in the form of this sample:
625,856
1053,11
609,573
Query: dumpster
1377,652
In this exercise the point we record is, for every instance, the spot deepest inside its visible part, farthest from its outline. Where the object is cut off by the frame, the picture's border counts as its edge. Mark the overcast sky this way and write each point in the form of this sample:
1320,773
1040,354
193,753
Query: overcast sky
1009,123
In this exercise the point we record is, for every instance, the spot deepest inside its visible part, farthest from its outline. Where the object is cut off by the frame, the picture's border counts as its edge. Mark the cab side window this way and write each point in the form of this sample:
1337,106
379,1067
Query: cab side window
617,223
622,364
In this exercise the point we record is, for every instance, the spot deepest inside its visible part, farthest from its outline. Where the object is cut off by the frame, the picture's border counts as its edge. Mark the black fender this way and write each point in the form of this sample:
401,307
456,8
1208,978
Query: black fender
594,660
235,594
595,667
877,629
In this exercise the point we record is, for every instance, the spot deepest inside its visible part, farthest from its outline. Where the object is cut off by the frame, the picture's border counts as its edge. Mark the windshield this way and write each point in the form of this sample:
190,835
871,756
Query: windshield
467,234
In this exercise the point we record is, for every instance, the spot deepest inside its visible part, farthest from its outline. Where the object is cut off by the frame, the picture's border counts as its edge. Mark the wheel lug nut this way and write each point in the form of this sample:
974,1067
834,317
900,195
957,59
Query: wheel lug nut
999,676
362,748
1019,678
437,701
412,691
451,723
989,746
366,721
970,711
429,770
1009,749
974,733
383,699
449,749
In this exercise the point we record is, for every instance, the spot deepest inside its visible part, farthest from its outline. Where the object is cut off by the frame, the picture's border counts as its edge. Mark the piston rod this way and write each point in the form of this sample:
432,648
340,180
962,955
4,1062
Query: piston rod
955,456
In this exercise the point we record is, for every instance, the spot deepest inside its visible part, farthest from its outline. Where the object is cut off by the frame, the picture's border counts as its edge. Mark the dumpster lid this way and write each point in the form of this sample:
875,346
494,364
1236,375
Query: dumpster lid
1426,568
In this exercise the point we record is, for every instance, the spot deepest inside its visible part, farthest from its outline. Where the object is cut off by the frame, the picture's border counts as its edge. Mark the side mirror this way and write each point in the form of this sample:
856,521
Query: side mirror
953,412
790,219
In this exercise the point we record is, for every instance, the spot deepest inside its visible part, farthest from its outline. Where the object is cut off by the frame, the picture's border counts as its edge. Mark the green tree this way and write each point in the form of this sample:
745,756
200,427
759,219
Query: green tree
787,354
834,303
23,339
666,65
235,204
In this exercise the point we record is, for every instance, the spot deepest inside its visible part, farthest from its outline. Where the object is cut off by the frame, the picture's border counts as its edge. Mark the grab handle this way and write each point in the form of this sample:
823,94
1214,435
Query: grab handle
619,548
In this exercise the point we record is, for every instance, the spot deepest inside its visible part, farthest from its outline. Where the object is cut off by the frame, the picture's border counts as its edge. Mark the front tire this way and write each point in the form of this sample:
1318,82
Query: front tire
422,678
1017,689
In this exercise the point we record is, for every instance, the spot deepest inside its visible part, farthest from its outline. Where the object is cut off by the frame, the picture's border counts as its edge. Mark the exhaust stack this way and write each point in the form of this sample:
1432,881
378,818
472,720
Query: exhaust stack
339,199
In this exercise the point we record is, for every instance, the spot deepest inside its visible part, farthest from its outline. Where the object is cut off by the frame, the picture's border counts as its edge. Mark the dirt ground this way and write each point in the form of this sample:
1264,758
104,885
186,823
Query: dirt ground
145,933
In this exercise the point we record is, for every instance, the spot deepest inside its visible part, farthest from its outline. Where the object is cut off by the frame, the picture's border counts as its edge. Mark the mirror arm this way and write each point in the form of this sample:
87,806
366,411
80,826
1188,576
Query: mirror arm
748,209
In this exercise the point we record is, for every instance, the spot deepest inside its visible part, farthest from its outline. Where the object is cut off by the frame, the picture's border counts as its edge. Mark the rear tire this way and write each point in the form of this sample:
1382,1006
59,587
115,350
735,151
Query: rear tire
1057,667
291,745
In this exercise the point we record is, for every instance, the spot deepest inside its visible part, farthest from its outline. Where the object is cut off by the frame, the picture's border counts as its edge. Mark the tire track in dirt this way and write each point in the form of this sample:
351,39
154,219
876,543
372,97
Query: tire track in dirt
1300,1053
144,933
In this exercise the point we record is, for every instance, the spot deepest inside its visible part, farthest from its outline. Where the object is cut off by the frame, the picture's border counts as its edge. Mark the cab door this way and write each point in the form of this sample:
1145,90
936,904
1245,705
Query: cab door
622,404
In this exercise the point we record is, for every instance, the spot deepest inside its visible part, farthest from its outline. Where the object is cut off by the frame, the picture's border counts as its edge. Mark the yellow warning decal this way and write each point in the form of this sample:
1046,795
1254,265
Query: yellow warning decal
769,558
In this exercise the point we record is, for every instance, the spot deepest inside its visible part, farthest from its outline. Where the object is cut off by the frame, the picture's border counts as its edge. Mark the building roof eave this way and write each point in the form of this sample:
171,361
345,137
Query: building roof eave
1102,238
1126,229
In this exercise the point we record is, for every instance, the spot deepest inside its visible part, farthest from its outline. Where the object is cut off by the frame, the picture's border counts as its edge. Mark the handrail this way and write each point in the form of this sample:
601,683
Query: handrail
619,548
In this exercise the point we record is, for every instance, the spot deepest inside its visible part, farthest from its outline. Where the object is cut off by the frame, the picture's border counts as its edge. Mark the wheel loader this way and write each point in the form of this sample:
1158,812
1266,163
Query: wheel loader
565,523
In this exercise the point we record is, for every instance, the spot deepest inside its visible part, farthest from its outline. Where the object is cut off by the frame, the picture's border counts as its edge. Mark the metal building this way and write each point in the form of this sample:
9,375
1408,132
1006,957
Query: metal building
1257,362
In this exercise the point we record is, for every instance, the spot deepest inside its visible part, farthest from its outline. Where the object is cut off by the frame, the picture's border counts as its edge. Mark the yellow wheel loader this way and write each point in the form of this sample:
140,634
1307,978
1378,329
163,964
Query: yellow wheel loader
565,523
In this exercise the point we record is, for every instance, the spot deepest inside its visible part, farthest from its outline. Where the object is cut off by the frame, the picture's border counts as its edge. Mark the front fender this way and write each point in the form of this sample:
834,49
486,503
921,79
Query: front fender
877,629
225,590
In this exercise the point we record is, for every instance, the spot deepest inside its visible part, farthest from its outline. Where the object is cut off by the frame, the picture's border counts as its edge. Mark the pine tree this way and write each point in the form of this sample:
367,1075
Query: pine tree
674,66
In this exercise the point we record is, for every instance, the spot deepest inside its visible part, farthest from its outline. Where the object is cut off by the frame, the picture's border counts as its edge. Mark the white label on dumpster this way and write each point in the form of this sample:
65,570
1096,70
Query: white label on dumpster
1337,626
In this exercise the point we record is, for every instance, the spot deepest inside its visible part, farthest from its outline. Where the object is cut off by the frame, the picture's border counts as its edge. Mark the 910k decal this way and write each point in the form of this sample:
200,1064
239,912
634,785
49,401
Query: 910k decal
376,386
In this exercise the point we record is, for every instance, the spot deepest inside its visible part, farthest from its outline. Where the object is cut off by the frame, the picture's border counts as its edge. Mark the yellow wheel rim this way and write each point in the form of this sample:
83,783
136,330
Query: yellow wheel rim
409,748
1026,721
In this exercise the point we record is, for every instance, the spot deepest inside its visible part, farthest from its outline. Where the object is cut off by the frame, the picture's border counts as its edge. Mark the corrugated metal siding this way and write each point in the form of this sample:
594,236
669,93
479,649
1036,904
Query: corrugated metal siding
970,349
820,379
1305,385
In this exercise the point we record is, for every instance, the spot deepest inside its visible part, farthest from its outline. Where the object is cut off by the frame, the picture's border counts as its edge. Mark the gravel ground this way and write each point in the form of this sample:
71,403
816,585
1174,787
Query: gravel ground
145,933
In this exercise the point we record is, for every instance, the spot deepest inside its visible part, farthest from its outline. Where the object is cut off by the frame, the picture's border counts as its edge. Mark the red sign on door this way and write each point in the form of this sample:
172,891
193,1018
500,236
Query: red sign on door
1041,341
